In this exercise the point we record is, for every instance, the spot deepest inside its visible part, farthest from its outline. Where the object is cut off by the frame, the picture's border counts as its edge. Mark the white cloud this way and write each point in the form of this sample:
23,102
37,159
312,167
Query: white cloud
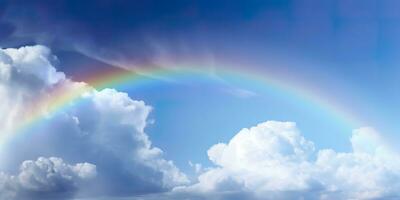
26,76
46,174
372,170
273,161
40,178
106,128
197,167
34,61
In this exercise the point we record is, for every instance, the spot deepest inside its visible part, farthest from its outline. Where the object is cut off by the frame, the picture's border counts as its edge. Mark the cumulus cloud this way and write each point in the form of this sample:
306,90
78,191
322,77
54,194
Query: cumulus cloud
43,177
274,161
106,128
104,132
24,75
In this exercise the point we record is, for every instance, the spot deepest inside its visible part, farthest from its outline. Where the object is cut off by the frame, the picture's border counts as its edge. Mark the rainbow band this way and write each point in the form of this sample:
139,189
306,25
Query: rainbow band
60,99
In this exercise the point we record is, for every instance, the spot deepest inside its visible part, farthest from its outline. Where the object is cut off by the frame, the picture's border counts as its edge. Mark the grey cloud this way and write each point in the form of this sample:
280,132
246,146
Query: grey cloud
45,178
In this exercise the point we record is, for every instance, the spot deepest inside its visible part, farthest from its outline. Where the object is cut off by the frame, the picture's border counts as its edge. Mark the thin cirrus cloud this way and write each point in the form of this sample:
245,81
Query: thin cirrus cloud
112,156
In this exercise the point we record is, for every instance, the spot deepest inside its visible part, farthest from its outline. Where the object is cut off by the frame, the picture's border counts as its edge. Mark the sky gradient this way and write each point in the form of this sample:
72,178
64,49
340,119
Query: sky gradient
199,99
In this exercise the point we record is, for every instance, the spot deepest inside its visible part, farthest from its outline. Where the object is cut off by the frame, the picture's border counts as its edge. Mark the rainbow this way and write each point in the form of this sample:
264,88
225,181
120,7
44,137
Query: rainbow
60,97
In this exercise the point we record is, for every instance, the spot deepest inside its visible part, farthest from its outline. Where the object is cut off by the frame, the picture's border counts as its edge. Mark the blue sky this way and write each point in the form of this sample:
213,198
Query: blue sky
204,112
330,62
342,45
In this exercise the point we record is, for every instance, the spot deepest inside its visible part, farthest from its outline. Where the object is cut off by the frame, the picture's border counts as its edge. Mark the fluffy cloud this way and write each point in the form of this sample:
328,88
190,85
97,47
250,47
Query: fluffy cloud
44,177
106,128
25,74
273,161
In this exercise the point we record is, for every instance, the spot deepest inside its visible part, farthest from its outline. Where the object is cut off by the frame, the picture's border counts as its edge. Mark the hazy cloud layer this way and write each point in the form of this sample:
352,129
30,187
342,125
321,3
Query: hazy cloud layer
141,34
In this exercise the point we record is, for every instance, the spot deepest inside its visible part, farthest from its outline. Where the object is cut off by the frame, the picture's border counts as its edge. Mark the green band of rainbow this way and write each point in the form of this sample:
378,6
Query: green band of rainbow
61,98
